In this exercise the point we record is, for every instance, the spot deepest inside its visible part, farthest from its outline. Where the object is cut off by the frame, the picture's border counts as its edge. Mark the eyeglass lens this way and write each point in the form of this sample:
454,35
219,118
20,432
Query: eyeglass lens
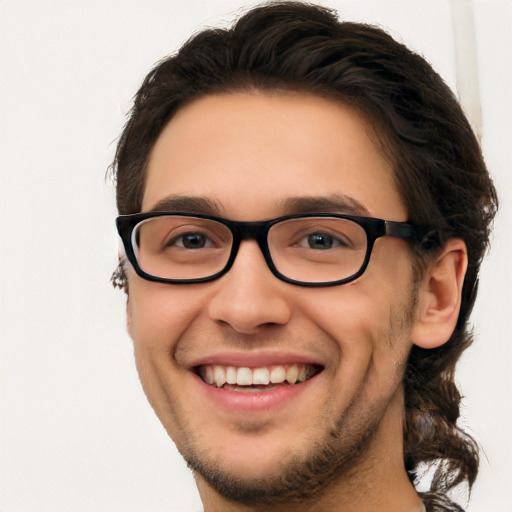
309,249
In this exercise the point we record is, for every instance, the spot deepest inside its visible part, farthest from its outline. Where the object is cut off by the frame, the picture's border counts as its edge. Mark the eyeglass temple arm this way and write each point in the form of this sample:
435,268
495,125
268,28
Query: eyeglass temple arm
424,235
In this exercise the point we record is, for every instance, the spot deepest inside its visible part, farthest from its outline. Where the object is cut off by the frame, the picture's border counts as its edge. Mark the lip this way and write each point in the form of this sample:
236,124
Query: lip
251,402
254,359
234,402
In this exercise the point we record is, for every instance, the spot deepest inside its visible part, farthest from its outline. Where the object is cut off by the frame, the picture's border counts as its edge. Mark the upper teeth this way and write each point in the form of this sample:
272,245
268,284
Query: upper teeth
244,376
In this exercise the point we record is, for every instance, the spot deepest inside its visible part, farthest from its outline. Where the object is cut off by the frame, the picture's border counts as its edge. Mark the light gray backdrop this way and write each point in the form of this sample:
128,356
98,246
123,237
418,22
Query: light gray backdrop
75,430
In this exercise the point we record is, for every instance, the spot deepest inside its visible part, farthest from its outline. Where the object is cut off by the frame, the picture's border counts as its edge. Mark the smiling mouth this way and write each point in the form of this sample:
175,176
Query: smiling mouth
265,378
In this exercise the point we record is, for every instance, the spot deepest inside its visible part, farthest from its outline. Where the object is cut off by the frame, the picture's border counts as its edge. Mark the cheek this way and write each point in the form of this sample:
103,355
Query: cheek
158,314
353,313
369,322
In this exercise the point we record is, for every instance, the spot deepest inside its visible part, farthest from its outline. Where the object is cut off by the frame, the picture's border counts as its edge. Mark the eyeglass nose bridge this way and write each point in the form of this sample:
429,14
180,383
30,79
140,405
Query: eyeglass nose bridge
257,231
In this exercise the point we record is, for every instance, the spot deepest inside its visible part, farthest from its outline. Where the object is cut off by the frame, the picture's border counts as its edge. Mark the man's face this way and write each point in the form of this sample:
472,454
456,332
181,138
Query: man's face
251,157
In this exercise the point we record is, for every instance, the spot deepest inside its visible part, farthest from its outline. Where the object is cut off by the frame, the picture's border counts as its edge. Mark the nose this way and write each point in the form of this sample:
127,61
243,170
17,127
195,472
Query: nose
249,297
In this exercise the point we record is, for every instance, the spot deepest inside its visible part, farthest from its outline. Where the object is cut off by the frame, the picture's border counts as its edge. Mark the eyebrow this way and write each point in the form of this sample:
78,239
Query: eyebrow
188,204
333,203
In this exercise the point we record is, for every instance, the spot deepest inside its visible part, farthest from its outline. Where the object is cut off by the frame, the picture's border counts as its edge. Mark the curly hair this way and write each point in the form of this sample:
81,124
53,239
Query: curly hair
438,167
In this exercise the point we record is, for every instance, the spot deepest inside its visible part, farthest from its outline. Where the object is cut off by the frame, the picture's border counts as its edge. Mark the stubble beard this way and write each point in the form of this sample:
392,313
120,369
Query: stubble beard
338,453
303,477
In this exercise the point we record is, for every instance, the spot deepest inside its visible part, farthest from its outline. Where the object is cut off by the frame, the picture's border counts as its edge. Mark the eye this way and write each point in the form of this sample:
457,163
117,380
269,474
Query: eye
320,241
191,241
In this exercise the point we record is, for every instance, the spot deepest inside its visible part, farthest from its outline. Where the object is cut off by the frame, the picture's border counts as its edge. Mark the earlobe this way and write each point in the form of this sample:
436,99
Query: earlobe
439,296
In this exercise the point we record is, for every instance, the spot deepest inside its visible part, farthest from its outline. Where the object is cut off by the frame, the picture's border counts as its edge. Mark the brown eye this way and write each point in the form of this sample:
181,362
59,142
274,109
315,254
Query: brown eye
192,241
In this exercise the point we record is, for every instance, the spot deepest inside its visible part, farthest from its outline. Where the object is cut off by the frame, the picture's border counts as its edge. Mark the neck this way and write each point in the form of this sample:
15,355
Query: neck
378,481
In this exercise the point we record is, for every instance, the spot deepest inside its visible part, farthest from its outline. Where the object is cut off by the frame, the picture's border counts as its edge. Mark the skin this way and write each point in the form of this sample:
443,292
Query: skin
248,154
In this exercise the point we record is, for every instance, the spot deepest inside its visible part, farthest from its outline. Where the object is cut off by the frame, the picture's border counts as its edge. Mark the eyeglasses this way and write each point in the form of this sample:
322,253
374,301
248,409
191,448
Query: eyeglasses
307,250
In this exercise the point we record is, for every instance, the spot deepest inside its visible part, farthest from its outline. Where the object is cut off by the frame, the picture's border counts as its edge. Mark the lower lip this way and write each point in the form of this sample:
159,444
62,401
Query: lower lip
255,401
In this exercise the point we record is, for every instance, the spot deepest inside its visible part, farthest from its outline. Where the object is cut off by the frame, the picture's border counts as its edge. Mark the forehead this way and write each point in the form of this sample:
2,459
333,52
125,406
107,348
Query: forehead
250,154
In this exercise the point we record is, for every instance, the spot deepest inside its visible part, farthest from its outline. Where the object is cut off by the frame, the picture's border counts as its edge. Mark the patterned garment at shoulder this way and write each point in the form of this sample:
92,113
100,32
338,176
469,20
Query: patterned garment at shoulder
435,502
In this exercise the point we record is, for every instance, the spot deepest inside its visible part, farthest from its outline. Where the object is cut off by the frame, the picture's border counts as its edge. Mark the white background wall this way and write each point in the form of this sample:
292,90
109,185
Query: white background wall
75,430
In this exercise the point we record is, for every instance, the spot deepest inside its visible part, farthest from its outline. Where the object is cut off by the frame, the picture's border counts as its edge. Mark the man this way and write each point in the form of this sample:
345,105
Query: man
304,209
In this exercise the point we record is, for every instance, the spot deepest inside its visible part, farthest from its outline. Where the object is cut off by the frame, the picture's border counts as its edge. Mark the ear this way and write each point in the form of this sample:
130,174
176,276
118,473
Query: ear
439,296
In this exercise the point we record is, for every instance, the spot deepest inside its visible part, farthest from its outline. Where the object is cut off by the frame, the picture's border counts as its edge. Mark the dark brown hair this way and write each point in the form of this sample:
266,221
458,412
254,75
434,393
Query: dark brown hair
437,161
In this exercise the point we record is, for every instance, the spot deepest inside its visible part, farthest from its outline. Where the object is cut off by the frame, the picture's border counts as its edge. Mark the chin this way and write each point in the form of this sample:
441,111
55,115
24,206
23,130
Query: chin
267,472
251,452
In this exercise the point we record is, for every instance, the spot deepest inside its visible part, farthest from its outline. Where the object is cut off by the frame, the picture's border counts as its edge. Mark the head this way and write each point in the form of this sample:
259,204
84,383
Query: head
353,89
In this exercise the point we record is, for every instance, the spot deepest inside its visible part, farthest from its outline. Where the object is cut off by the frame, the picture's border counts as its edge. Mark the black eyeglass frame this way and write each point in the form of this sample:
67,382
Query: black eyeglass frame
258,230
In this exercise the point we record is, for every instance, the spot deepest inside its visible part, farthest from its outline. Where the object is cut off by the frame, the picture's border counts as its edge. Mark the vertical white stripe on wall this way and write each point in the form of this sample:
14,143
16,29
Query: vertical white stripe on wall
466,62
